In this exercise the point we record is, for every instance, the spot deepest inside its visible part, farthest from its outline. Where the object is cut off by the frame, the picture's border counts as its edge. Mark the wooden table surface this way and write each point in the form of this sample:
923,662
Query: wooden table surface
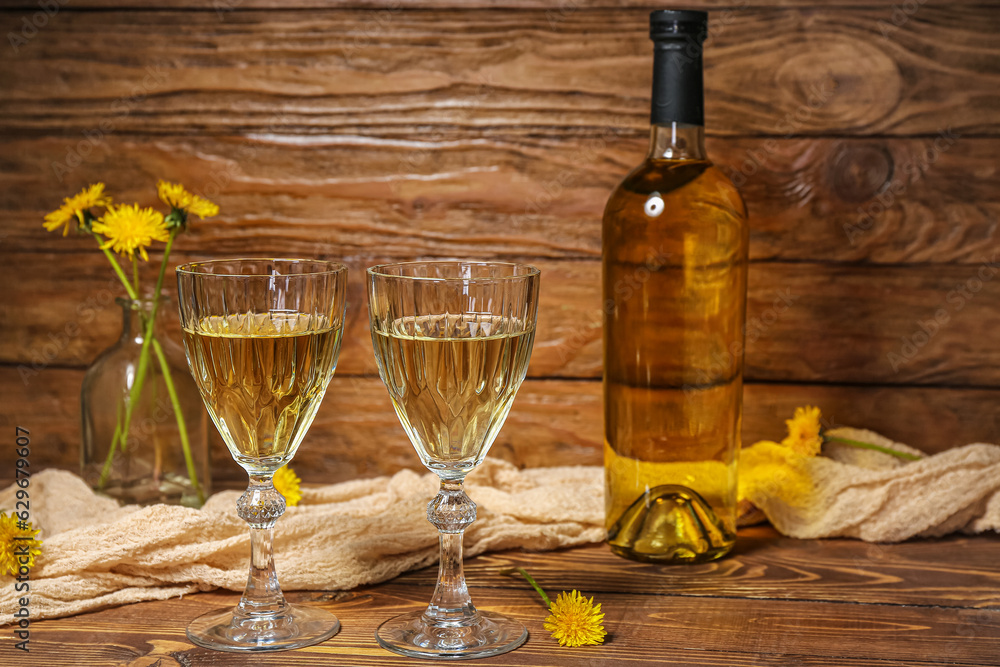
775,601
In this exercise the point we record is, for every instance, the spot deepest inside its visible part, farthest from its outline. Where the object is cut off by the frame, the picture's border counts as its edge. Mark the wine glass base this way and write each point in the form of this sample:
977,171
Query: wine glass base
299,626
489,634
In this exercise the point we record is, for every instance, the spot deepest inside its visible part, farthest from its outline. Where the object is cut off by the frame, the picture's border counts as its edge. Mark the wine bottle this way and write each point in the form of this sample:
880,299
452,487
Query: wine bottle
675,242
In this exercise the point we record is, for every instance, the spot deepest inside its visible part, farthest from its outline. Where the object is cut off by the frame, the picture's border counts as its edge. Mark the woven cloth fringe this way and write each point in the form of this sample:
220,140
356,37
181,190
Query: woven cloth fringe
97,554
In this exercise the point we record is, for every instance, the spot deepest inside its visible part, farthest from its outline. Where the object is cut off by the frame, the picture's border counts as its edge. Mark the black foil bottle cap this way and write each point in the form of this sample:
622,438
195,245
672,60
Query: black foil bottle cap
678,93
673,23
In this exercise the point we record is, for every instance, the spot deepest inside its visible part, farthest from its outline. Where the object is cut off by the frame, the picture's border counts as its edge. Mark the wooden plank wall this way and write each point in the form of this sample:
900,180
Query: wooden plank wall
865,141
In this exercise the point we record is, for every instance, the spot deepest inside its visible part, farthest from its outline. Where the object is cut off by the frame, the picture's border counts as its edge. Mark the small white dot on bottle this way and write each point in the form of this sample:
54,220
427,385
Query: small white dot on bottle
654,205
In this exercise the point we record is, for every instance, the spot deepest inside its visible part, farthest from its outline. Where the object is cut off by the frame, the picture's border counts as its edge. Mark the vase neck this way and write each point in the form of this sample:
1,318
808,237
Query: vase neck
135,318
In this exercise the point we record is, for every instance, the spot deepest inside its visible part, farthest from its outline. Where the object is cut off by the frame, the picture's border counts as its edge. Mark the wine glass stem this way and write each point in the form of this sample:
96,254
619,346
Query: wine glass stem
260,506
451,511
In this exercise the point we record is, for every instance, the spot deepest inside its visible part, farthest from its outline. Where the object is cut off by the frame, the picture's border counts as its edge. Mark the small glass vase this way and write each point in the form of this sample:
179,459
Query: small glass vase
164,457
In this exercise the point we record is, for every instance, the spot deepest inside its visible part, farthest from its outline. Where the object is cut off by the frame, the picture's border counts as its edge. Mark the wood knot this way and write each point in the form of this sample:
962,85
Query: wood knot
849,83
859,172
164,654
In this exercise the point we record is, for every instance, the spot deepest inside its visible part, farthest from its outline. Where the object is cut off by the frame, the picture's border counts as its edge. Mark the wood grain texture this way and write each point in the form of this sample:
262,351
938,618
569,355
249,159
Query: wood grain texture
879,200
807,322
864,140
749,610
553,422
766,565
559,8
768,72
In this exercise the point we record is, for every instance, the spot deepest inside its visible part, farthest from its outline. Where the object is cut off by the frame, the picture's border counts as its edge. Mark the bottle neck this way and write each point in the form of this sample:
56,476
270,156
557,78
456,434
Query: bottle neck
135,316
676,141
677,111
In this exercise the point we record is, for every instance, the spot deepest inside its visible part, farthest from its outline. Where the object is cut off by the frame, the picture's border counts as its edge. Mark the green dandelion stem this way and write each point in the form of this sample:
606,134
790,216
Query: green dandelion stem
867,445
530,580
140,378
163,264
135,273
117,267
168,380
111,450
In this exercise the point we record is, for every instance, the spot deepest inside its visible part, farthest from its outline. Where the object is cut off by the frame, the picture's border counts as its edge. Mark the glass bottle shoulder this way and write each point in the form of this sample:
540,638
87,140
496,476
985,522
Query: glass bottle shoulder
684,181
676,208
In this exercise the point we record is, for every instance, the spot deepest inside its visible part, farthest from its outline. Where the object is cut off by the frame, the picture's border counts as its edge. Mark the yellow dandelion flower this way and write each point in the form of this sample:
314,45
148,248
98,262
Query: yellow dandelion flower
575,621
175,196
74,207
129,228
804,431
61,217
781,471
287,484
770,470
18,546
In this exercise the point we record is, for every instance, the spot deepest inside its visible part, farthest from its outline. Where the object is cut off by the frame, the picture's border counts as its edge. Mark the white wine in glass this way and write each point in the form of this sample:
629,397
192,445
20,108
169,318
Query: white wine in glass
453,379
263,377
452,341
262,338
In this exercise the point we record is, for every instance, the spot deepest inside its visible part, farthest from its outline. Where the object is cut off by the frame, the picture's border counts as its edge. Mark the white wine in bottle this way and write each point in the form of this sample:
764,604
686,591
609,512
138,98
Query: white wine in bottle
674,286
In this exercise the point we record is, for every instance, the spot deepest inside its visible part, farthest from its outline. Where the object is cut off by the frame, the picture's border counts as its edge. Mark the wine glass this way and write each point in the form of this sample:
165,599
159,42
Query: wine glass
262,338
452,341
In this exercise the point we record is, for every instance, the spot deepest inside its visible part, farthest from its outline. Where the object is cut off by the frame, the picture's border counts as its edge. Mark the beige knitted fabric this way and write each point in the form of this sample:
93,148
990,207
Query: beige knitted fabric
880,498
96,554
